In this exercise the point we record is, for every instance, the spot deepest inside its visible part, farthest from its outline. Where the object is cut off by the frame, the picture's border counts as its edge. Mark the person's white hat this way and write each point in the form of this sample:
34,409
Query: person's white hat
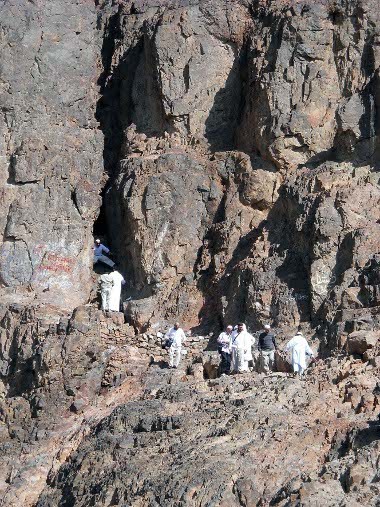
267,326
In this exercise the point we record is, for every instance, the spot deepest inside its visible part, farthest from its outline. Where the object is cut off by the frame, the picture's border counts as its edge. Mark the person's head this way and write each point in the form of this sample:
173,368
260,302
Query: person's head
240,327
97,242
229,329
176,325
267,328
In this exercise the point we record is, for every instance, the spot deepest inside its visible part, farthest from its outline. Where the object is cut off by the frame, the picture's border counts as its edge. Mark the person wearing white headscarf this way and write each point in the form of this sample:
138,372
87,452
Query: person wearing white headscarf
299,349
241,348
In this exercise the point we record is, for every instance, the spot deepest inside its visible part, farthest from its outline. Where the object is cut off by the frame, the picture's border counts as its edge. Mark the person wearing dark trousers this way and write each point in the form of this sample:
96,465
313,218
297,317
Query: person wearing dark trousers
224,350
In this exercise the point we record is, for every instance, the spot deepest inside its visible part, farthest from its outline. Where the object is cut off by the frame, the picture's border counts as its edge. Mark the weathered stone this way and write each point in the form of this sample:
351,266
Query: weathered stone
360,341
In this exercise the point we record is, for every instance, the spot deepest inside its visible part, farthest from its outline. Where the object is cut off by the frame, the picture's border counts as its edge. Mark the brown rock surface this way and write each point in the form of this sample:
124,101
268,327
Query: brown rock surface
239,181
50,147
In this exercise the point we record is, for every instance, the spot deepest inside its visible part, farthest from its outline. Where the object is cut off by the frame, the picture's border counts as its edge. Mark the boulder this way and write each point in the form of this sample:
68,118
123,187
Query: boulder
359,342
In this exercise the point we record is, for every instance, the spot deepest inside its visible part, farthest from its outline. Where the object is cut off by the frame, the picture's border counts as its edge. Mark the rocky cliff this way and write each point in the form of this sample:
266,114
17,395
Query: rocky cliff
228,153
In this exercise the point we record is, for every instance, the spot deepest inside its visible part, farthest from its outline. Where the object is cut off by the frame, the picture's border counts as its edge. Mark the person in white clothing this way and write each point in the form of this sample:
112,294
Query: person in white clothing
299,349
118,281
106,284
175,336
224,349
240,345
250,341
99,251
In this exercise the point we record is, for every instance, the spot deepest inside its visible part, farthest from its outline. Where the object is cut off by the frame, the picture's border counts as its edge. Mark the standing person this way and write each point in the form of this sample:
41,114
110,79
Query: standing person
267,345
224,350
299,348
174,337
106,284
118,281
240,343
99,256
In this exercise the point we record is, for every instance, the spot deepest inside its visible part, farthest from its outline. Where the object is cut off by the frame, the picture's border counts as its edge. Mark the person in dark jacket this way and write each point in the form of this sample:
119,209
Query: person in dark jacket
267,345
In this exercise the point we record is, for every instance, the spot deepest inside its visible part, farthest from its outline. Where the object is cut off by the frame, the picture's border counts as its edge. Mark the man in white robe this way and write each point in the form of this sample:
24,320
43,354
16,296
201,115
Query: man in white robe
299,349
241,352
118,281
176,337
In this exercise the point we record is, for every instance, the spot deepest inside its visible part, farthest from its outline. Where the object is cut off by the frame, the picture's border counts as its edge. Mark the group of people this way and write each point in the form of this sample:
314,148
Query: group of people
235,348
234,344
110,281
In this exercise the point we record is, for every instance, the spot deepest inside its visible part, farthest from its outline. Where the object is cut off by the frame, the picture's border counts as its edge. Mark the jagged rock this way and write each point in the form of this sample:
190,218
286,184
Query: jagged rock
239,182
360,341
50,149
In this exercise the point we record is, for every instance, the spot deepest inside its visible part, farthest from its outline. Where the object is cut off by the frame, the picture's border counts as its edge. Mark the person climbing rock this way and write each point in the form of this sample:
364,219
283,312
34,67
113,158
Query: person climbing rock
174,339
299,349
240,344
106,283
99,255
267,345
118,281
224,350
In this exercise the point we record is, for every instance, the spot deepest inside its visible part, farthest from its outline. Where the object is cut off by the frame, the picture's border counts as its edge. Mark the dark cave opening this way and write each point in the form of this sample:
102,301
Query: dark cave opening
100,229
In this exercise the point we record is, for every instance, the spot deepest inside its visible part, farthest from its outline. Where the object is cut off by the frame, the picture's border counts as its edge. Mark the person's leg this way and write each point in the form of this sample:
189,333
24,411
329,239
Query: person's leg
177,357
103,296
224,366
240,360
265,357
271,360
105,293
228,362
171,357
234,362
108,299
105,260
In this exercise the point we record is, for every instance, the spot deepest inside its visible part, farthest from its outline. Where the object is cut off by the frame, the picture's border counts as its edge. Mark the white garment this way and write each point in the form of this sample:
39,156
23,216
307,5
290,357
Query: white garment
238,362
299,348
177,336
250,343
118,281
174,356
106,296
106,284
224,341
240,345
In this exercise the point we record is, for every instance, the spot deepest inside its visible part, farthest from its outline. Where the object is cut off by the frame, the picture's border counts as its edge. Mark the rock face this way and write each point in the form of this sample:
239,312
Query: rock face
50,148
228,153
283,223
90,415
227,442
